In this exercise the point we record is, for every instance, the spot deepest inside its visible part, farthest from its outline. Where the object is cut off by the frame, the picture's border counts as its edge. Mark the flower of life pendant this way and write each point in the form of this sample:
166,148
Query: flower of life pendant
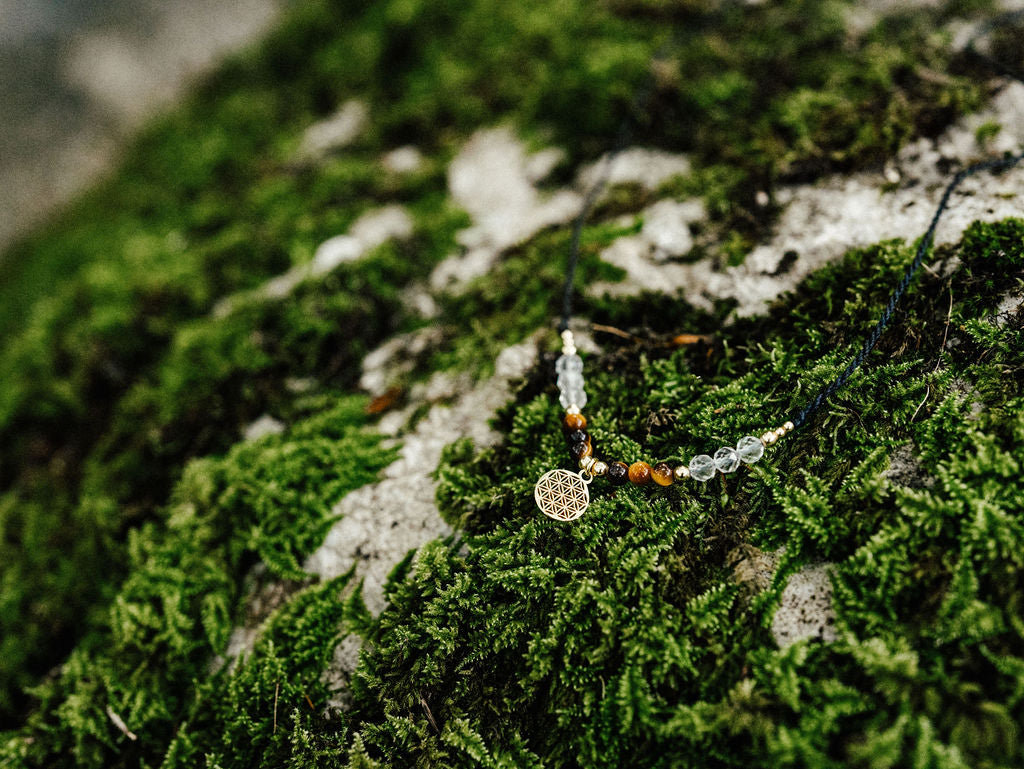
562,495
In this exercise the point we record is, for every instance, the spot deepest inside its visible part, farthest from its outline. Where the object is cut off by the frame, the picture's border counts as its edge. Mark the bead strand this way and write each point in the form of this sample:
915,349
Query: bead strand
702,467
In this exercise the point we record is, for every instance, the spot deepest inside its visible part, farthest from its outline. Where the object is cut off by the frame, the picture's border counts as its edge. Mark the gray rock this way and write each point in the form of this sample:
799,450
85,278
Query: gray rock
380,523
805,608
337,131
369,231
265,425
402,160
667,226
492,178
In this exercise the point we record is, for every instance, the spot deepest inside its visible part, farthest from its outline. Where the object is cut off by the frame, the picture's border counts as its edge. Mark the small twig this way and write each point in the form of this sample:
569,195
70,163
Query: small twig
681,340
121,725
928,392
945,332
311,705
612,330
430,716
277,690
938,359
931,76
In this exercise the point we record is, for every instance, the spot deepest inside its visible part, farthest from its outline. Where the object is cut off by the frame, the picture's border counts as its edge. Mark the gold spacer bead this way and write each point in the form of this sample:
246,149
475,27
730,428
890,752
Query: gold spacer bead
790,427
573,409
682,472
587,463
769,438
599,468
780,432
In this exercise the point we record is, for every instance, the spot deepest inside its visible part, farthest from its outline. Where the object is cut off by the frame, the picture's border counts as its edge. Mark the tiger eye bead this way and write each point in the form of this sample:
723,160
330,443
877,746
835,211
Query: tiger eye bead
662,474
581,449
639,473
618,473
574,422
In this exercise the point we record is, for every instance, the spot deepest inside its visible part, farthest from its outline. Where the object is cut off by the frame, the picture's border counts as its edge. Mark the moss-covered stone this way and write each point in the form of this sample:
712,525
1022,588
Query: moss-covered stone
130,513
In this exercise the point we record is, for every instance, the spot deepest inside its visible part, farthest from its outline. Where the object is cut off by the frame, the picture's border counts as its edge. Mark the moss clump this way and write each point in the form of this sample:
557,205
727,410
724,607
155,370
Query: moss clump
266,502
271,710
625,638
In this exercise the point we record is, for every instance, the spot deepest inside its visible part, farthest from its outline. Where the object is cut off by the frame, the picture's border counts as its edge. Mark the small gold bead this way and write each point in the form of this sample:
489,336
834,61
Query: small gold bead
780,431
586,463
599,468
574,409
790,427
681,473
769,438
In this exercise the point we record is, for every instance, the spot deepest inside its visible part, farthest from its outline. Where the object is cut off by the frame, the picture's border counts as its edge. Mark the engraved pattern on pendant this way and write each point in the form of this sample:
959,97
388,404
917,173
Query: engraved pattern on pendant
562,495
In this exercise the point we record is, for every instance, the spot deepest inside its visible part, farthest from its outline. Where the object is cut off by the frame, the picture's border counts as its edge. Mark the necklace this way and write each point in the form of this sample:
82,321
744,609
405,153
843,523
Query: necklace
564,495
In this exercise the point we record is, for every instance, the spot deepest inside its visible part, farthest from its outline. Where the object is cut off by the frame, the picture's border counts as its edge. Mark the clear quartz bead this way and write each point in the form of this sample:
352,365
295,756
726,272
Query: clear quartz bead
702,468
750,449
570,381
727,460
569,364
575,397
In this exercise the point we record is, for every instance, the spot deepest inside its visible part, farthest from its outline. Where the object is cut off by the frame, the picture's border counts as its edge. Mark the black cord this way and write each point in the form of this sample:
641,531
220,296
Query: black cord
999,164
623,137
577,227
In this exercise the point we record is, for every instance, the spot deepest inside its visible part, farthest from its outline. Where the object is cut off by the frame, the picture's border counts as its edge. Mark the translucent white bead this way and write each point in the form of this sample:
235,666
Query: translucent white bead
570,381
702,467
573,398
569,363
750,449
727,460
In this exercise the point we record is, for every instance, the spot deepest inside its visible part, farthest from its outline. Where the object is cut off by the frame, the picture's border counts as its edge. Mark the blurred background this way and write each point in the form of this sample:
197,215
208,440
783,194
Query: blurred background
78,76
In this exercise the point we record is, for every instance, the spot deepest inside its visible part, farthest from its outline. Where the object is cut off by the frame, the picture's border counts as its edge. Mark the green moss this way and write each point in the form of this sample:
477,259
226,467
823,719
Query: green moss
266,501
621,638
271,709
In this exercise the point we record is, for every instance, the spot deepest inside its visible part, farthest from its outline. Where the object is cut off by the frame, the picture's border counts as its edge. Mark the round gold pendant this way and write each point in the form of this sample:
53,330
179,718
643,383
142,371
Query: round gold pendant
562,495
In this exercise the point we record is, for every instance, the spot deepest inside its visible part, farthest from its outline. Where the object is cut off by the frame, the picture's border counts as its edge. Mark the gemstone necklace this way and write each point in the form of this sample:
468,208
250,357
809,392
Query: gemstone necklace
564,495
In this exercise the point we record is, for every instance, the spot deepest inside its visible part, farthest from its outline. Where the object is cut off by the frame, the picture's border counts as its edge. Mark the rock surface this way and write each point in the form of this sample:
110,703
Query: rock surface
805,608
822,221
382,522
493,179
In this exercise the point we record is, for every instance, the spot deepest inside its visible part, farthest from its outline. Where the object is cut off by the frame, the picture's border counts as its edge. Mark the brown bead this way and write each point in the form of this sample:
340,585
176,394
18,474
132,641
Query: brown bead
581,449
618,473
639,473
574,422
662,474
